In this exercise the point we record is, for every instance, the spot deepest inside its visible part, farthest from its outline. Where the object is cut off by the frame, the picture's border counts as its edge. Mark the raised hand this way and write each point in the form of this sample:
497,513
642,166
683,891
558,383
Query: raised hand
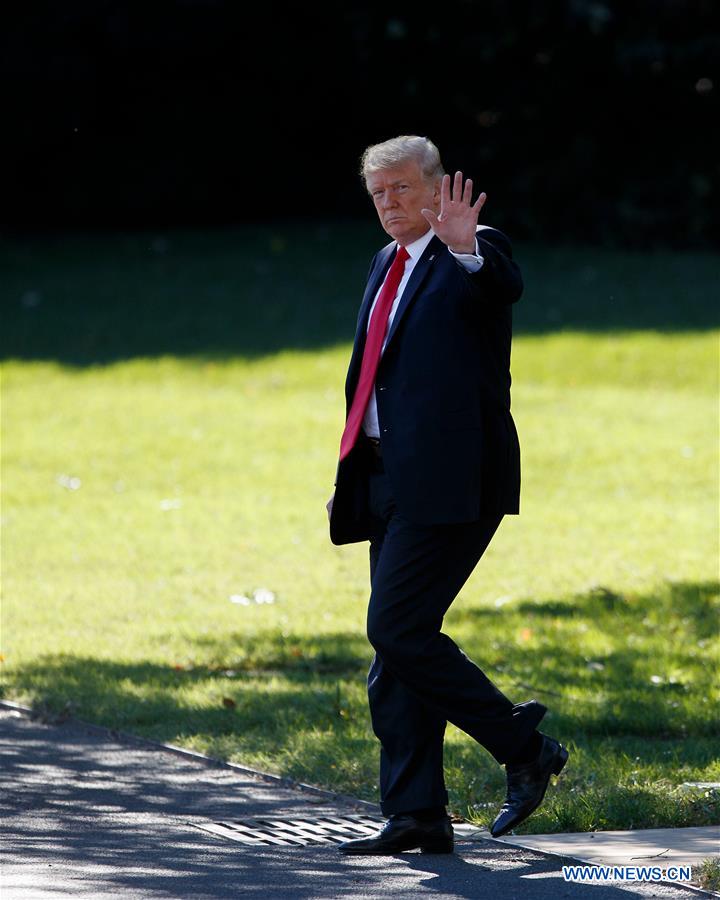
456,224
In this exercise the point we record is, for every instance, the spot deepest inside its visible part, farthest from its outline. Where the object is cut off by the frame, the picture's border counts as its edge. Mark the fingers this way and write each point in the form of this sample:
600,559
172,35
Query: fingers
460,193
456,202
480,202
457,187
445,192
467,192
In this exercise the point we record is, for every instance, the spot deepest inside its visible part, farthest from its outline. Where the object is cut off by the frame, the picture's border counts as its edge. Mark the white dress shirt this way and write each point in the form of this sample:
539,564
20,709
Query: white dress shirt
471,262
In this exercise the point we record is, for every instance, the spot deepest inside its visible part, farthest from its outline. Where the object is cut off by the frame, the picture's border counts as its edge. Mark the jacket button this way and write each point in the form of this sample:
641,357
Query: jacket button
383,388
385,430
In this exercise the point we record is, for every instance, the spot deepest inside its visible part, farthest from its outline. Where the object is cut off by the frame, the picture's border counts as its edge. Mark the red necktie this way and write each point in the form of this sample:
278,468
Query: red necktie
371,354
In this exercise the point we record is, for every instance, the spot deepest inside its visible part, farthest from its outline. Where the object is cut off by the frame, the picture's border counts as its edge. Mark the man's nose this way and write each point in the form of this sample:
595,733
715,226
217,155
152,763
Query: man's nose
388,200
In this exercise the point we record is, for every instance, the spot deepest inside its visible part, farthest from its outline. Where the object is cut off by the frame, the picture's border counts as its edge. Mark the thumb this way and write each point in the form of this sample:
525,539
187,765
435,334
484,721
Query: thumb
430,216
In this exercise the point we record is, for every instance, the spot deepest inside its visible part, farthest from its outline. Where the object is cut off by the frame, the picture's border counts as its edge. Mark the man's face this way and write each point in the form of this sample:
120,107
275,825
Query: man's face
399,194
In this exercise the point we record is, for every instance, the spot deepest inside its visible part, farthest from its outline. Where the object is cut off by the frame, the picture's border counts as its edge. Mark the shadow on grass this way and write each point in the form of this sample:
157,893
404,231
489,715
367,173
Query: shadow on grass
695,603
296,704
251,292
275,686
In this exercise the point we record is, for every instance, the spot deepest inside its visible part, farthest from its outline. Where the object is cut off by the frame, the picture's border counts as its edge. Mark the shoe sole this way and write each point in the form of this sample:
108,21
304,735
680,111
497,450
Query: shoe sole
560,760
558,765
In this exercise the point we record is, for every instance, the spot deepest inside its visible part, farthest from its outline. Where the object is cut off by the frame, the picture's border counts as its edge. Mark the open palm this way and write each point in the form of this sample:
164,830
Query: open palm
457,222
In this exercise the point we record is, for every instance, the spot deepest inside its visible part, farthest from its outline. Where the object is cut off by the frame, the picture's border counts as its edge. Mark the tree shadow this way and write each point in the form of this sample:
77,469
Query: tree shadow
276,686
248,292
653,678
297,703
693,601
88,815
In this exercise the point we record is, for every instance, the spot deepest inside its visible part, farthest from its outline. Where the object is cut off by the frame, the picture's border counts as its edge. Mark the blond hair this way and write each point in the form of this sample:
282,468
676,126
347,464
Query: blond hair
402,149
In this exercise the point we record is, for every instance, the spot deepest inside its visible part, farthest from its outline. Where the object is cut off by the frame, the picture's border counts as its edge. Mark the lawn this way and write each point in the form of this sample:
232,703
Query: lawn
172,407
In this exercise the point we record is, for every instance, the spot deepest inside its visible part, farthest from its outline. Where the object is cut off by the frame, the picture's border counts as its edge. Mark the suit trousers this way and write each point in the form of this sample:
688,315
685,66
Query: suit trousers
420,679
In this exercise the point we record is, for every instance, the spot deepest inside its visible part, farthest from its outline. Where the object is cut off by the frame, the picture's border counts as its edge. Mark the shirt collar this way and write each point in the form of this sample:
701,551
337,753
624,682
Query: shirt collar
417,248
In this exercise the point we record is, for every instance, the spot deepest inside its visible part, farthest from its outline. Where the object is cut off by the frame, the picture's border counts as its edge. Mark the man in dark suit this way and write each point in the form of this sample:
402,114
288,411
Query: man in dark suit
429,464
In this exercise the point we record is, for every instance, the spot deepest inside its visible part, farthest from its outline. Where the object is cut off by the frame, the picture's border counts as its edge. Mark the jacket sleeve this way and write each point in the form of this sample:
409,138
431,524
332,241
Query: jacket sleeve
498,280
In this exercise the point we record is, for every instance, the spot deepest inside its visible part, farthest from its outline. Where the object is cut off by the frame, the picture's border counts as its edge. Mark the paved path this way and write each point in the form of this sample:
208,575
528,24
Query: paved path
87,816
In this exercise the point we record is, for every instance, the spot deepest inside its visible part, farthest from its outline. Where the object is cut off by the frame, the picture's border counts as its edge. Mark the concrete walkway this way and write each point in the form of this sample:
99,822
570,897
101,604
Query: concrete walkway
644,847
87,815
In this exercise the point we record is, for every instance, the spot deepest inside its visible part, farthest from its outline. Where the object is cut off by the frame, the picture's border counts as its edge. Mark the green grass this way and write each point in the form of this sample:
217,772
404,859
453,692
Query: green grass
708,875
196,393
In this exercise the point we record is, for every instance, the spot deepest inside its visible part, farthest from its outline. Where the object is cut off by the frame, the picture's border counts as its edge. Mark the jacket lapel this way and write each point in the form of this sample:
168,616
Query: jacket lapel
385,256
421,269
383,263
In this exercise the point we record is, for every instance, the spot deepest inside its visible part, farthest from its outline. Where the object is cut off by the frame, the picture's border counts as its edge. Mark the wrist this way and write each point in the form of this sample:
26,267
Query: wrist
464,248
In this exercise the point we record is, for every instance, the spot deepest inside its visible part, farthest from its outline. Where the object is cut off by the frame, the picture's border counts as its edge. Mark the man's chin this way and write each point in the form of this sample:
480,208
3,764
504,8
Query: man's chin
396,230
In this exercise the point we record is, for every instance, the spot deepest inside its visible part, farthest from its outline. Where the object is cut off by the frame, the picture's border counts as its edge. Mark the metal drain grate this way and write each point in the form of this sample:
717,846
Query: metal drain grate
294,832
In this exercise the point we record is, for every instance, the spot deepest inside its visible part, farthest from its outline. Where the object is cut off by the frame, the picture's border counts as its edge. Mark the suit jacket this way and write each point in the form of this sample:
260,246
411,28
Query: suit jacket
450,448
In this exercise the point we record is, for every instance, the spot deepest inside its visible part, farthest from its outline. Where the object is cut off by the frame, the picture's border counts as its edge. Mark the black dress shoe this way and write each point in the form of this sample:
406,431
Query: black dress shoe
404,832
526,786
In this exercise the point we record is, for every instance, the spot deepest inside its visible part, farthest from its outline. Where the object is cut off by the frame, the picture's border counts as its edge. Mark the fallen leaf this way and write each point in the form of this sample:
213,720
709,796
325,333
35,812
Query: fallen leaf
71,482
229,703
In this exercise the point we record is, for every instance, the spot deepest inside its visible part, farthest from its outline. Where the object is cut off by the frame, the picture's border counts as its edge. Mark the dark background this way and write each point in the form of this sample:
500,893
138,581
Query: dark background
590,121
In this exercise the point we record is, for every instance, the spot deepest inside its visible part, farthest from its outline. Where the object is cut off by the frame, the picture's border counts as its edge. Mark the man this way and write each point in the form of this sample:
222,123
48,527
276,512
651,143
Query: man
429,464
